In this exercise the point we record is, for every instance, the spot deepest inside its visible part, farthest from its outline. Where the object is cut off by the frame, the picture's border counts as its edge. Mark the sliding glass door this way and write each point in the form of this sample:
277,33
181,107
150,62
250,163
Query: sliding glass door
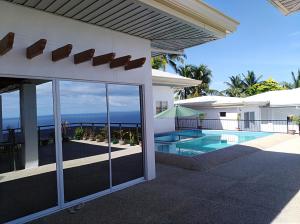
126,133
85,146
102,136
28,178
65,141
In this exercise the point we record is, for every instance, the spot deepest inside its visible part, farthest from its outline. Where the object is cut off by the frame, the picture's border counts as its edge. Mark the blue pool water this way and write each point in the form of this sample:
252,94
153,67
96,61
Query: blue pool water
195,142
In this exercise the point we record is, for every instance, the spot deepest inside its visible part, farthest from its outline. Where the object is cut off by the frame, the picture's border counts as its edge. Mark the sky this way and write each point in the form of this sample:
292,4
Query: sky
266,42
77,98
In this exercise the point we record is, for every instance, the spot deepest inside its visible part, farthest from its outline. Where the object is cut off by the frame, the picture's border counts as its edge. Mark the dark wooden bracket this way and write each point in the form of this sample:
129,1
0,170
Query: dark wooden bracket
84,56
6,44
103,59
62,52
122,61
137,63
36,49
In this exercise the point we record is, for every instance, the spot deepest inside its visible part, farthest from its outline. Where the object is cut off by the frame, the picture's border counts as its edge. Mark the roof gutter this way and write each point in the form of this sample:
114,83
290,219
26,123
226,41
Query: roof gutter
197,13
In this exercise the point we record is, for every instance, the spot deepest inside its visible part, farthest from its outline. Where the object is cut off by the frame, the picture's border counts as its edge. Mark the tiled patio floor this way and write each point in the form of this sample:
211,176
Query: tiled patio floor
260,188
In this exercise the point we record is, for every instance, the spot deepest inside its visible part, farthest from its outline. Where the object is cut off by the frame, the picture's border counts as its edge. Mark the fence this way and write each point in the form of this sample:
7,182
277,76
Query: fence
47,132
276,126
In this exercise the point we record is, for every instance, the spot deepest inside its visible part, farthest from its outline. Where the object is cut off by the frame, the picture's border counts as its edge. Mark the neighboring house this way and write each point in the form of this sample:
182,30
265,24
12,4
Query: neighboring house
262,112
89,59
164,86
287,6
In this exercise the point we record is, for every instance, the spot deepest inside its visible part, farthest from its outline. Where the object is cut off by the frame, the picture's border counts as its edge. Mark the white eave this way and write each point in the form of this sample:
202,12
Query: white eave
286,6
161,78
212,101
172,25
280,98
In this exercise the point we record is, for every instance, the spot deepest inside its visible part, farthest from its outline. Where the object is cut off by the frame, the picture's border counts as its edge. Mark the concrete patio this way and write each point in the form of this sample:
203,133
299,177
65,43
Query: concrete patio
261,187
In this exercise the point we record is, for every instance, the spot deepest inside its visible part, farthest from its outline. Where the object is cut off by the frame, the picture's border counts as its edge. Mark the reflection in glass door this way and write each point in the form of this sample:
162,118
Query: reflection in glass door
27,148
126,133
84,139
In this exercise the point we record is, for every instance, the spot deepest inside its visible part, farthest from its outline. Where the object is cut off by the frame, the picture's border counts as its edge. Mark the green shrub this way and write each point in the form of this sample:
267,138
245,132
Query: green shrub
79,132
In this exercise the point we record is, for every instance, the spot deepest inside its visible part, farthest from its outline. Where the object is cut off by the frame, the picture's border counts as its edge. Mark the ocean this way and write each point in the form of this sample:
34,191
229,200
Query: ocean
115,117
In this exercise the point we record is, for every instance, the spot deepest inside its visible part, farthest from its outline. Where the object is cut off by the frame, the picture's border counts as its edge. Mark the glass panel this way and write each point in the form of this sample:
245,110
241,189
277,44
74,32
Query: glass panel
84,135
126,133
252,117
246,120
27,150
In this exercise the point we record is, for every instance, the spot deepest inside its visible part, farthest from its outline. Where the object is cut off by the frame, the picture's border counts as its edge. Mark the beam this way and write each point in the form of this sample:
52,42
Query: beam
84,56
62,52
122,61
137,63
103,59
6,44
36,49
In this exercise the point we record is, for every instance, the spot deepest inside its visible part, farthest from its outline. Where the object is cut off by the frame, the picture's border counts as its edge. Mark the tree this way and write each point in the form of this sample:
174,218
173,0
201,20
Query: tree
296,79
173,60
236,86
204,74
265,86
184,71
199,73
250,79
159,62
287,85
295,83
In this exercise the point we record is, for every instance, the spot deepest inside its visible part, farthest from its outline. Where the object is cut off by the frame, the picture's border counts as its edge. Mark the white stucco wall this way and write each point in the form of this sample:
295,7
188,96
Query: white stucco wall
163,93
280,116
227,123
31,25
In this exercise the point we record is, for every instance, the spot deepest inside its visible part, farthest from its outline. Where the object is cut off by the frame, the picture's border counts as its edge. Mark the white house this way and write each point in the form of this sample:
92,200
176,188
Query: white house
262,112
164,87
76,71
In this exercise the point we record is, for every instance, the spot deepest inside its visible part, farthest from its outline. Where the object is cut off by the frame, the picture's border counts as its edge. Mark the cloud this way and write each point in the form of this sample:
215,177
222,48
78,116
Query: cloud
77,98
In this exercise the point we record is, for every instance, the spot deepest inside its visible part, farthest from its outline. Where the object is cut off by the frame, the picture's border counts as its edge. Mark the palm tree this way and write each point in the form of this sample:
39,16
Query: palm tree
296,79
236,86
251,79
204,74
184,71
161,61
175,60
295,83
199,73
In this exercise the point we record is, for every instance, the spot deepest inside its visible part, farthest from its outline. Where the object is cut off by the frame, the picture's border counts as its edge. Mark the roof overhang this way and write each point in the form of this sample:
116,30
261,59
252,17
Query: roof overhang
160,78
286,6
171,25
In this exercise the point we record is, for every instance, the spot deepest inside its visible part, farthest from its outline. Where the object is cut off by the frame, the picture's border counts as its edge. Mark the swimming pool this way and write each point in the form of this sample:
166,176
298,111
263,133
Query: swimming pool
196,142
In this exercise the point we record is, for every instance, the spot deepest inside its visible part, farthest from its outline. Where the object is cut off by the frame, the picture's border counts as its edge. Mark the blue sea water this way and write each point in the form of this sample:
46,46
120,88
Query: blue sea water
115,117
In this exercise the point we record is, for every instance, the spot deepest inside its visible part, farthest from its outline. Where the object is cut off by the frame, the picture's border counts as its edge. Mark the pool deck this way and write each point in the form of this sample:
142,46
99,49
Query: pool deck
259,187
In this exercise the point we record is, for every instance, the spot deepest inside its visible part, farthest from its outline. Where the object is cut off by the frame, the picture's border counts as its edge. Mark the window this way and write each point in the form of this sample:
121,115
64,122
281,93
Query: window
222,114
161,106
